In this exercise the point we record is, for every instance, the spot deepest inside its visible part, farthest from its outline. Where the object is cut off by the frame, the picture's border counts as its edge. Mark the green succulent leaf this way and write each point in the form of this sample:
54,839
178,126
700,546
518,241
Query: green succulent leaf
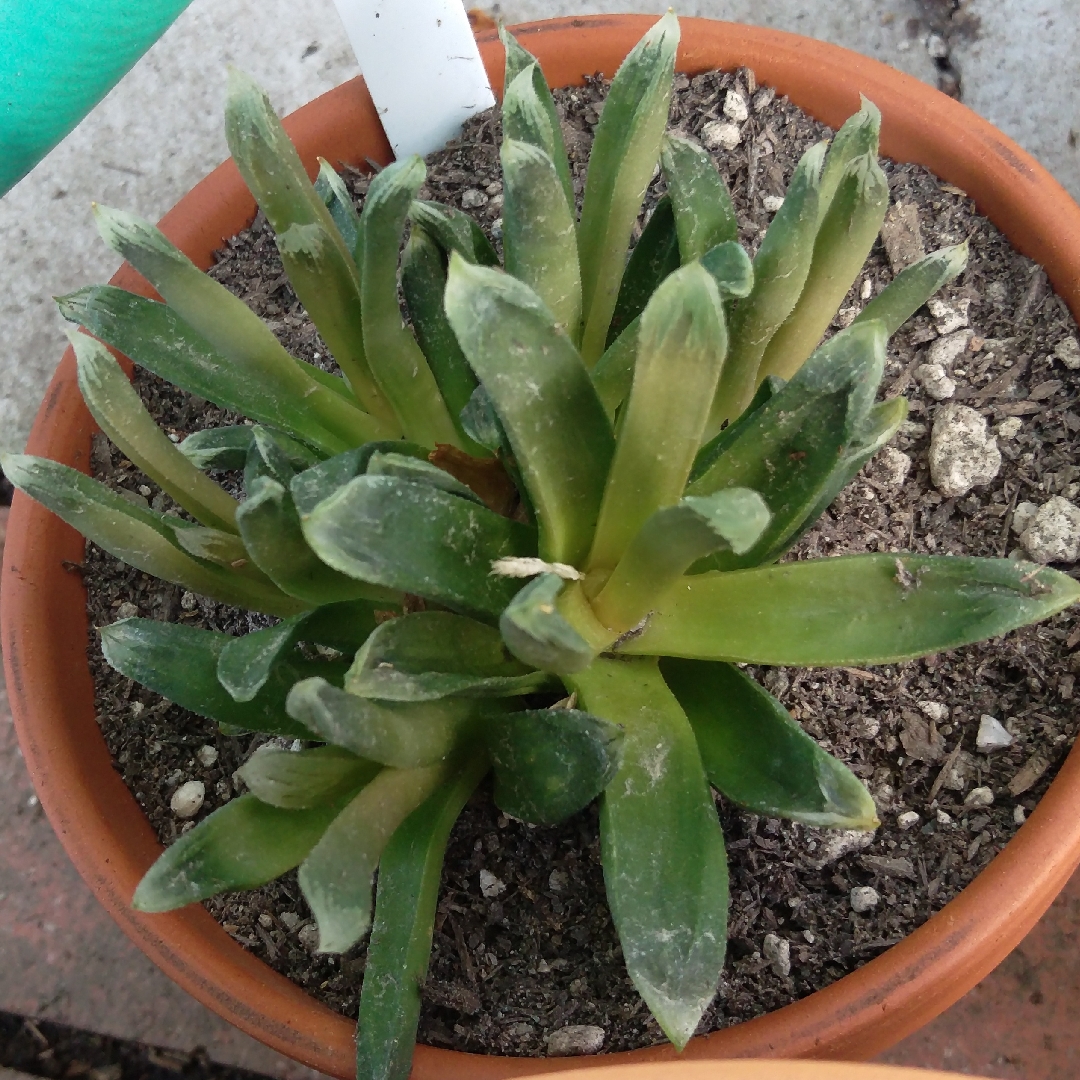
412,537
757,756
246,663
435,654
704,212
625,151
668,544
730,268
227,448
320,481
336,198
913,286
117,407
848,231
680,354
141,537
181,663
301,779
529,115
400,945
406,736
539,234
336,877
538,634
418,471
423,281
453,230
560,436
858,135
665,868
551,763
272,533
242,845
229,326
654,256
795,447
857,609
780,269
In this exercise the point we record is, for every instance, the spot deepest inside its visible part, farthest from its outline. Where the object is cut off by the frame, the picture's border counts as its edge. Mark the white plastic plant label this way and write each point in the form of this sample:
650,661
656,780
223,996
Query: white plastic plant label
421,63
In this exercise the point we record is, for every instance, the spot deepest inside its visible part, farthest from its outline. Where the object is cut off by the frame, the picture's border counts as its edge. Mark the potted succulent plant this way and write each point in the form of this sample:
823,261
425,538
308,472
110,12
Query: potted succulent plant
582,511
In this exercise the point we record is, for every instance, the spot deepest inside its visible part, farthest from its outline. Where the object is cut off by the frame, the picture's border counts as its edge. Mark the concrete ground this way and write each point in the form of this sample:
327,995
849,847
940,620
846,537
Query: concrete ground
154,136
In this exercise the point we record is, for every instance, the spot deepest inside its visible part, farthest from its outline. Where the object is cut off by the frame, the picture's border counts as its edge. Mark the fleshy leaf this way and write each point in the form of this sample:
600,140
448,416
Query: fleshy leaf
227,448
454,230
704,212
856,609
913,286
665,869
415,538
242,845
336,877
551,763
858,135
400,945
757,756
538,634
560,435
336,198
319,482
418,471
300,779
181,662
435,654
406,736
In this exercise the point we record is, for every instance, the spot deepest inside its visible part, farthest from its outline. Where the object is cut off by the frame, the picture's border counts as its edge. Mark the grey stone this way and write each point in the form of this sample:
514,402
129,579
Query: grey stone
992,734
1068,353
935,382
721,135
490,885
1053,533
908,819
188,798
902,236
833,844
864,898
979,798
575,1040
949,348
963,454
777,951
1023,515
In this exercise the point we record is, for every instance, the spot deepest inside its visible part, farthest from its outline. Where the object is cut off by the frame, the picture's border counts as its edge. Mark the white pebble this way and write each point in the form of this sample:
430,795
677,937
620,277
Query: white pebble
490,885
867,290
207,755
289,919
1010,427
720,135
992,735
835,843
772,203
948,318
1068,353
943,818
1053,534
962,453
864,898
735,107
188,798
908,819
473,199
575,1040
127,610
947,349
188,601
1019,815
309,936
978,798
935,382
891,467
1023,516
934,710
777,951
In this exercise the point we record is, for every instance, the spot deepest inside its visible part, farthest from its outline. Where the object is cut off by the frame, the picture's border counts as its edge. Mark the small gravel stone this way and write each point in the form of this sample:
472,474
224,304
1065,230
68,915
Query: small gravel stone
575,1040
949,317
735,107
188,798
490,885
902,236
777,951
864,898
1009,428
934,710
763,98
935,382
948,349
832,844
1053,534
962,453
772,203
473,199
943,818
721,135
1023,516
207,755
309,936
127,610
992,734
1067,352
558,880
890,468
188,601
1019,815
289,919
978,798
908,819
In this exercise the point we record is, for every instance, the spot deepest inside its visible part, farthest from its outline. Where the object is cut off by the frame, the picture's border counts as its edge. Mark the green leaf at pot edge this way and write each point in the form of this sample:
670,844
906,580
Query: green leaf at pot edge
665,869
856,609
551,763
704,212
403,735
420,540
336,877
400,945
242,845
300,779
559,433
181,662
757,756
435,654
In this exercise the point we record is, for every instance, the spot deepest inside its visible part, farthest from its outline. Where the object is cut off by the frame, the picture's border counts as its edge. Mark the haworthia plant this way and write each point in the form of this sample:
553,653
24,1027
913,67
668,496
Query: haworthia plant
532,525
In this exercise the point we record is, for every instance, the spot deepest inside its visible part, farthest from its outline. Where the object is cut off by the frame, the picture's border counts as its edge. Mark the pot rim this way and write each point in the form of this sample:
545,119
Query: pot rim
44,642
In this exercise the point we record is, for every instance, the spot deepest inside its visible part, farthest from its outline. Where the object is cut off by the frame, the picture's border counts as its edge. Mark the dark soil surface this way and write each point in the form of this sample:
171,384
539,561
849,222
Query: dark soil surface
540,952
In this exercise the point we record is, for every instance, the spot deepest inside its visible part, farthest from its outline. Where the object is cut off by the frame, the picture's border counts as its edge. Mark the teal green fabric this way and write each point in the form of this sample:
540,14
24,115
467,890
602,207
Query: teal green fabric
58,59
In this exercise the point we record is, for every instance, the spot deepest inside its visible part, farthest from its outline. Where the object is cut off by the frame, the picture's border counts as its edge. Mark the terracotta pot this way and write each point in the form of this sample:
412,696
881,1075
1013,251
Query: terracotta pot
44,625
756,1070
